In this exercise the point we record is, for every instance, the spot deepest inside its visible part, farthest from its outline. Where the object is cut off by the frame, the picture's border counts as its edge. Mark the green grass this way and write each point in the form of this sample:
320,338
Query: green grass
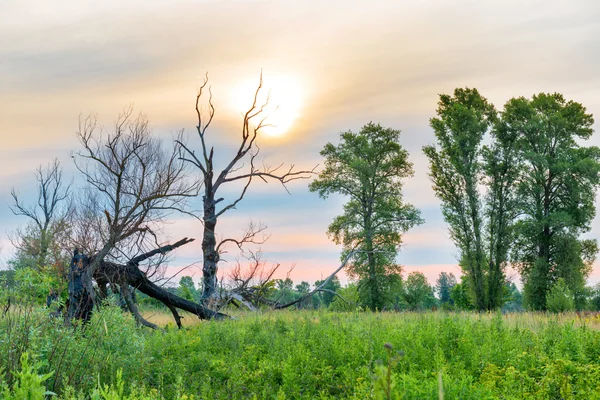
316,355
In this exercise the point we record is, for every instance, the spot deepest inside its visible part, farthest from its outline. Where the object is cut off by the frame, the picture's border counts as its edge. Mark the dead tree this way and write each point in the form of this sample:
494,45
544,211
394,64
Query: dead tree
248,285
133,182
130,275
47,217
213,180
251,285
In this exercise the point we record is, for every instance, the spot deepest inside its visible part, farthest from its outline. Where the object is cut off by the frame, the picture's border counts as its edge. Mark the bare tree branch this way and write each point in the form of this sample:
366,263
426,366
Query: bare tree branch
52,206
254,120
137,182
320,287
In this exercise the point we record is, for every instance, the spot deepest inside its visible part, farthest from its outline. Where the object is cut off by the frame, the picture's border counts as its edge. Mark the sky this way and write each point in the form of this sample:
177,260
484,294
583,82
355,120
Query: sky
331,65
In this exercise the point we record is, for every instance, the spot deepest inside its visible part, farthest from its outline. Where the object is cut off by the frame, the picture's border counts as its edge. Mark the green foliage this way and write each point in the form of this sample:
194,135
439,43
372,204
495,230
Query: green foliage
32,285
284,292
384,379
418,294
461,295
458,165
28,384
557,190
443,287
560,298
368,167
187,289
513,299
307,355
350,299
595,297
332,286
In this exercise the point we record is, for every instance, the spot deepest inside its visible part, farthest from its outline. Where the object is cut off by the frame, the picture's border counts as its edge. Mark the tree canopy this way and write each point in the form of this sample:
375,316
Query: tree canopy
368,168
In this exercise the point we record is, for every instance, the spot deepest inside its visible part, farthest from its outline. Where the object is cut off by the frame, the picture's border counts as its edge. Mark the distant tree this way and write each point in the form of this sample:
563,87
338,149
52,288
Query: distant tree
43,242
560,298
330,288
284,284
418,294
214,180
557,190
458,166
186,288
444,285
595,297
285,291
368,167
513,298
303,287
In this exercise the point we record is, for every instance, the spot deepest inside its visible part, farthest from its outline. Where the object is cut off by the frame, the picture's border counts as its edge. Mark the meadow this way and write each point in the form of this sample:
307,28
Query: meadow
302,355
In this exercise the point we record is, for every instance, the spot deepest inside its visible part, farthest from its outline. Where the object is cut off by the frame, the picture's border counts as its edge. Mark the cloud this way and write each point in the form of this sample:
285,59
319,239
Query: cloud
355,61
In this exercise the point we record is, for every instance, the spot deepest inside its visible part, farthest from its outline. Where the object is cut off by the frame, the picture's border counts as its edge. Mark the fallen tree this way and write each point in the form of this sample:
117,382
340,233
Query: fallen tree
129,275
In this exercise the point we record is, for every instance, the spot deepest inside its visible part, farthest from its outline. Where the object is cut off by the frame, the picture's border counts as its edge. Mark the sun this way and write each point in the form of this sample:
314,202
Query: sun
285,102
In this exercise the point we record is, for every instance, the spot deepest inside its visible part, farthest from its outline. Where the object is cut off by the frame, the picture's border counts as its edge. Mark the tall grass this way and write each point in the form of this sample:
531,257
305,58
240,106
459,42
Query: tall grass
302,354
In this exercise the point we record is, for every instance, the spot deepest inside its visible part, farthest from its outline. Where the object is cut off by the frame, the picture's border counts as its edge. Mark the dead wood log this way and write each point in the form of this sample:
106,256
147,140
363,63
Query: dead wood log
129,274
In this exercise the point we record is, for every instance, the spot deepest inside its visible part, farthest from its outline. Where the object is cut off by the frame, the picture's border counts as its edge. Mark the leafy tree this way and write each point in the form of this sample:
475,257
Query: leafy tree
444,285
560,298
501,166
331,288
595,297
368,167
303,287
513,299
418,293
187,289
284,284
284,291
461,295
557,189
458,166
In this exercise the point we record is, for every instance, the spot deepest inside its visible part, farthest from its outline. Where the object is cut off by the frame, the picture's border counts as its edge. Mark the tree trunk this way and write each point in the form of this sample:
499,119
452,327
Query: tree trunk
209,250
473,199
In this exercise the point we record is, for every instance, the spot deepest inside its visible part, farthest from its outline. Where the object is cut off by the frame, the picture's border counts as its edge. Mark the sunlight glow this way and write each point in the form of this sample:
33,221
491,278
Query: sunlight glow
285,102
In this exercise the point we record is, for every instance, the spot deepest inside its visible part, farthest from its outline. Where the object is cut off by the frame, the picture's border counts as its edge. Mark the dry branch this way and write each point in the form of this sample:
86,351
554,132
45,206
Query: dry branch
320,288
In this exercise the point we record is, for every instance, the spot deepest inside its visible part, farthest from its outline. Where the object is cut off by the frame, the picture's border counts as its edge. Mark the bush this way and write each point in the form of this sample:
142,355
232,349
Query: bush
560,298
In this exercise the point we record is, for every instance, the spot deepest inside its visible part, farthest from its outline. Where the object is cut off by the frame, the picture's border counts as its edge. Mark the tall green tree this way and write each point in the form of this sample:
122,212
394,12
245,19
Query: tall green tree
459,166
557,189
501,166
368,167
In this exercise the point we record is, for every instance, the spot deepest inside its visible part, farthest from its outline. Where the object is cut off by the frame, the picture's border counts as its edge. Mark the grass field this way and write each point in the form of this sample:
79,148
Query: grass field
322,355
529,320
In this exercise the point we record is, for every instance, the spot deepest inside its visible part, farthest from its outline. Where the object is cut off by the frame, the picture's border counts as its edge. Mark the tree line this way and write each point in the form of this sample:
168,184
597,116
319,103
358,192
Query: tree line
517,188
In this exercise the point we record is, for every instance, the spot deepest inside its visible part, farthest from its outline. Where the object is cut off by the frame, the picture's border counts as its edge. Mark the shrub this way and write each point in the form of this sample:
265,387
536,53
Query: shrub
560,298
